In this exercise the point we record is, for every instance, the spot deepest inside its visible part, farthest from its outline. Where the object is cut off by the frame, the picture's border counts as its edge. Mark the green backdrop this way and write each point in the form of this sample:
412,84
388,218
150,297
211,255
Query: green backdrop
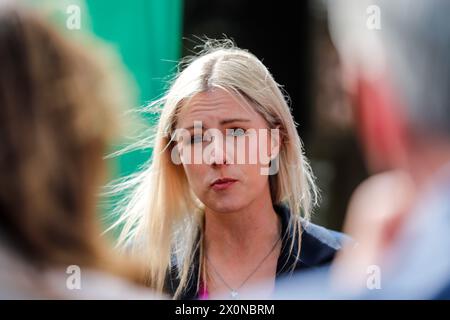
147,35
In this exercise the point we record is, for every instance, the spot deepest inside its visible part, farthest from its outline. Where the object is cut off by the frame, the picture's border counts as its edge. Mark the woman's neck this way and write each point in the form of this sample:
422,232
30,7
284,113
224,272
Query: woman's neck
256,225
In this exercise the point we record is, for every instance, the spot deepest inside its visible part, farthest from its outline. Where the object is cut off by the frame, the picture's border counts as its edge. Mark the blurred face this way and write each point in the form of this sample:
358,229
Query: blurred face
224,149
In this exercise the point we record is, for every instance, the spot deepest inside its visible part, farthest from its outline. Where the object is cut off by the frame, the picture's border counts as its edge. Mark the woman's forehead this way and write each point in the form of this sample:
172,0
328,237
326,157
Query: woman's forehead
214,106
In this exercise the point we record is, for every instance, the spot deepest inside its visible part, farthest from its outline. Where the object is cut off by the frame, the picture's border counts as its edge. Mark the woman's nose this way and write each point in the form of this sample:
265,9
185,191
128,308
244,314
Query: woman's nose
218,155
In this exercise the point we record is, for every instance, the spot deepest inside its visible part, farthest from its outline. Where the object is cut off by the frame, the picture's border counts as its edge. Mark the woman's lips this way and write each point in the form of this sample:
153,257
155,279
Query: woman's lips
222,184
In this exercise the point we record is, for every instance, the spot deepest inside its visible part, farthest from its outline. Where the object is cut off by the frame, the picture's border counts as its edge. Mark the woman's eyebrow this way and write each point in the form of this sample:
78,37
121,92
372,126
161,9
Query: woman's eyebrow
227,121
222,122
193,127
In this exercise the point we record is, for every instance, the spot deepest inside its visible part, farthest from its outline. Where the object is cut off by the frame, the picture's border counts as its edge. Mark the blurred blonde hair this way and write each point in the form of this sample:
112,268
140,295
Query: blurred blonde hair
59,110
162,216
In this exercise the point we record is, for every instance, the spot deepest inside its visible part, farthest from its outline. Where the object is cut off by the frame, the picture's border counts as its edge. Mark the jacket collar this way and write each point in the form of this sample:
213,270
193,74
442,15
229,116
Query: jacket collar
318,248
318,245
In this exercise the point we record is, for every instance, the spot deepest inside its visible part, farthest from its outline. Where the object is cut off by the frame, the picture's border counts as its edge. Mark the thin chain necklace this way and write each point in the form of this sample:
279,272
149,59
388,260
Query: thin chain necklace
234,292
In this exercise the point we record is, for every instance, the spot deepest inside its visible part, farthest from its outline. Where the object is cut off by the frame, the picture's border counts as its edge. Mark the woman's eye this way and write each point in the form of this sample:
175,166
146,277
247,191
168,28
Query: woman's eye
196,139
237,132
200,138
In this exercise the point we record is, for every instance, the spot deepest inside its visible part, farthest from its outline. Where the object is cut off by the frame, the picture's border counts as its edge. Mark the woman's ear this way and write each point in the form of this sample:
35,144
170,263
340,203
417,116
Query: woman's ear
275,142
272,152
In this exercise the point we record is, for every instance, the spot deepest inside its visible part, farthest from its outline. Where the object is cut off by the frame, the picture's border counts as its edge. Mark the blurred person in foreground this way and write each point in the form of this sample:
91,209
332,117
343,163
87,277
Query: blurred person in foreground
57,113
395,57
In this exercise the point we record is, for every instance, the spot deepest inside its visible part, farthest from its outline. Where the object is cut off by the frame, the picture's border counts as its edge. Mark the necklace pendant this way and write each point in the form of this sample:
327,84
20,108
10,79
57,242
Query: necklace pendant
234,294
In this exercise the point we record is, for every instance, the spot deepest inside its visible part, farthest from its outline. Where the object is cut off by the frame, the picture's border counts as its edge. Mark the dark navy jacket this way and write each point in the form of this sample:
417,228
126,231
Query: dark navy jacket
319,246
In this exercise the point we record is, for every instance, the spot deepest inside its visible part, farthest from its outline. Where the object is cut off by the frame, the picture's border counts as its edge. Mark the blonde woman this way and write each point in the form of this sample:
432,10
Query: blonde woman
225,201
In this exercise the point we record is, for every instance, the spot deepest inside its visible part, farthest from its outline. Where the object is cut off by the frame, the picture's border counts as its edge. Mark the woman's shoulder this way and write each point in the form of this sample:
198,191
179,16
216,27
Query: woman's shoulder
328,237
20,279
319,245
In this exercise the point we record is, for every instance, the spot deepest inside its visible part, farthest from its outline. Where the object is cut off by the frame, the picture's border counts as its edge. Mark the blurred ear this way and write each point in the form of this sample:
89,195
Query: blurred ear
381,125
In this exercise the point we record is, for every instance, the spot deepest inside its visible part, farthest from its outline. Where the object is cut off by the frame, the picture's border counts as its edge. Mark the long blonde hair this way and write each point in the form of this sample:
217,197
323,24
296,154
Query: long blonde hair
162,217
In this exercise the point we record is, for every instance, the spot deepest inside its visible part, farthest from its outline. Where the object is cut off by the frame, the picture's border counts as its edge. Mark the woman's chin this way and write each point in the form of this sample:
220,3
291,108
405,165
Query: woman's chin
224,207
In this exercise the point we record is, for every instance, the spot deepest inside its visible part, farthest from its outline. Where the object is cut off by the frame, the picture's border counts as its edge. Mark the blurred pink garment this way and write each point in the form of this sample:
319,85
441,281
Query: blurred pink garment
203,292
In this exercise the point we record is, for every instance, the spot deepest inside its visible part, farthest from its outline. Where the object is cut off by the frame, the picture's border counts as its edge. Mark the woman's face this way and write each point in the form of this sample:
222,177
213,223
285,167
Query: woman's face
224,147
